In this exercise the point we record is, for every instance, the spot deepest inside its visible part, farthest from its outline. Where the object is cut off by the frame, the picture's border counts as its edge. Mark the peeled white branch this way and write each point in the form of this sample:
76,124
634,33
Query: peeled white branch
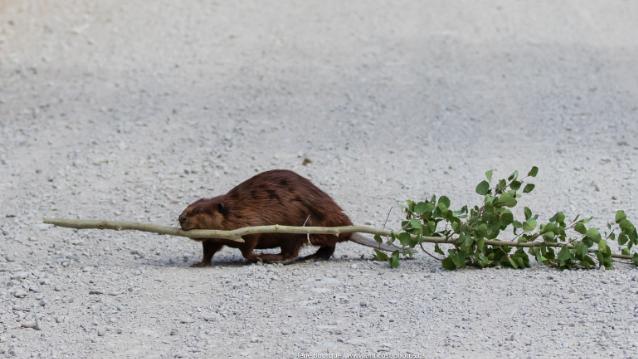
233,235
236,234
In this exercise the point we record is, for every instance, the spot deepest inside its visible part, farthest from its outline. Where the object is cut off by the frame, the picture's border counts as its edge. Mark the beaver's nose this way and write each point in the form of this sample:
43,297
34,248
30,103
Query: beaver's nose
182,219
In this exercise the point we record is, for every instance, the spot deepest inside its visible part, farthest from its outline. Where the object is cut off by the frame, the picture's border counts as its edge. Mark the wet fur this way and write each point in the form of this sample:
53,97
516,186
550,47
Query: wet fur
272,197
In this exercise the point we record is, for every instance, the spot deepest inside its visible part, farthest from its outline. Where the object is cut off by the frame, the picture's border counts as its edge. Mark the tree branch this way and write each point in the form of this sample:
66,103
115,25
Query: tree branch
237,234
203,234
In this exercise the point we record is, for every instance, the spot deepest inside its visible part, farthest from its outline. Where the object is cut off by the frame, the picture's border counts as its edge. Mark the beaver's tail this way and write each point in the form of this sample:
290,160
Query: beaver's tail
325,251
368,242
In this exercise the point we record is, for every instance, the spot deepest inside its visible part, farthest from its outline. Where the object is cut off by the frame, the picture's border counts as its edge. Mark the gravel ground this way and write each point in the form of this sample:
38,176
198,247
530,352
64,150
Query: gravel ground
131,110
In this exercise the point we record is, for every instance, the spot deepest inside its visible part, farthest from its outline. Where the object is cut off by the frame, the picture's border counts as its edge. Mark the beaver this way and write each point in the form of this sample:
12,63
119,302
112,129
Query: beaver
273,197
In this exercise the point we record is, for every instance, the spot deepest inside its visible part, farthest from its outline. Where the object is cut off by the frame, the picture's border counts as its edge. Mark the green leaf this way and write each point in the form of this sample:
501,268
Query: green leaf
623,239
528,188
394,259
437,249
415,224
481,245
593,234
456,226
580,250
529,225
549,227
483,261
506,218
458,261
448,263
626,226
483,188
405,239
528,213
488,175
604,254
515,185
560,217
564,255
444,201
533,172
512,262
488,200
620,215
431,227
548,236
588,241
588,262
635,258
378,238
500,187
580,228
423,207
513,176
409,205
481,231
380,256
521,258
467,242
507,199
540,258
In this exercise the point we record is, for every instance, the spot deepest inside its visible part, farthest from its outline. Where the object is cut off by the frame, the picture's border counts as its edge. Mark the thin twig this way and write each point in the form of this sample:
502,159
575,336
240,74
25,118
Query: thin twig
387,217
307,234
428,253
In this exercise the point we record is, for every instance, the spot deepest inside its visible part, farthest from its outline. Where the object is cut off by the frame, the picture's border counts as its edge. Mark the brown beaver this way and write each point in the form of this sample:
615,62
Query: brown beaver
272,197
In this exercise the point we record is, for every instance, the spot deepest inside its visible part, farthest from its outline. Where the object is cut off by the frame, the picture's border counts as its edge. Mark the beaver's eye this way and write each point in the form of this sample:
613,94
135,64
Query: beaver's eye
221,208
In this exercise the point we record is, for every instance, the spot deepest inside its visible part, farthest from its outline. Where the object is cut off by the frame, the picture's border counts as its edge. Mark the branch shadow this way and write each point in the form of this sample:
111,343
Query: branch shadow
234,261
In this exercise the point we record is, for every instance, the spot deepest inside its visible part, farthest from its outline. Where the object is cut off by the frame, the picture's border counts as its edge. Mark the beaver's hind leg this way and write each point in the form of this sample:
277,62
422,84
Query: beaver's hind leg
289,254
323,253
326,243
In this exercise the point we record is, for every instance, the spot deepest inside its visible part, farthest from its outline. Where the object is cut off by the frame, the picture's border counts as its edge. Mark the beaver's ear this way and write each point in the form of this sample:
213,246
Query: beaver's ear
222,209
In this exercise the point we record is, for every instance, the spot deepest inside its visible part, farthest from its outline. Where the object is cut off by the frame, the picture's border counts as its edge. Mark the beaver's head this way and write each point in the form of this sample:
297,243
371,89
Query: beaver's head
205,213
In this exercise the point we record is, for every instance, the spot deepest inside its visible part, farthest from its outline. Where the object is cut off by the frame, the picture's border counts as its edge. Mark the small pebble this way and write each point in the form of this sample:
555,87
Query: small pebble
19,293
19,275
31,324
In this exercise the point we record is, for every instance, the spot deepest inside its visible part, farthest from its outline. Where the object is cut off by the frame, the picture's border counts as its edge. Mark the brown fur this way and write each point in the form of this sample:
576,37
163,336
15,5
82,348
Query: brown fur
272,197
